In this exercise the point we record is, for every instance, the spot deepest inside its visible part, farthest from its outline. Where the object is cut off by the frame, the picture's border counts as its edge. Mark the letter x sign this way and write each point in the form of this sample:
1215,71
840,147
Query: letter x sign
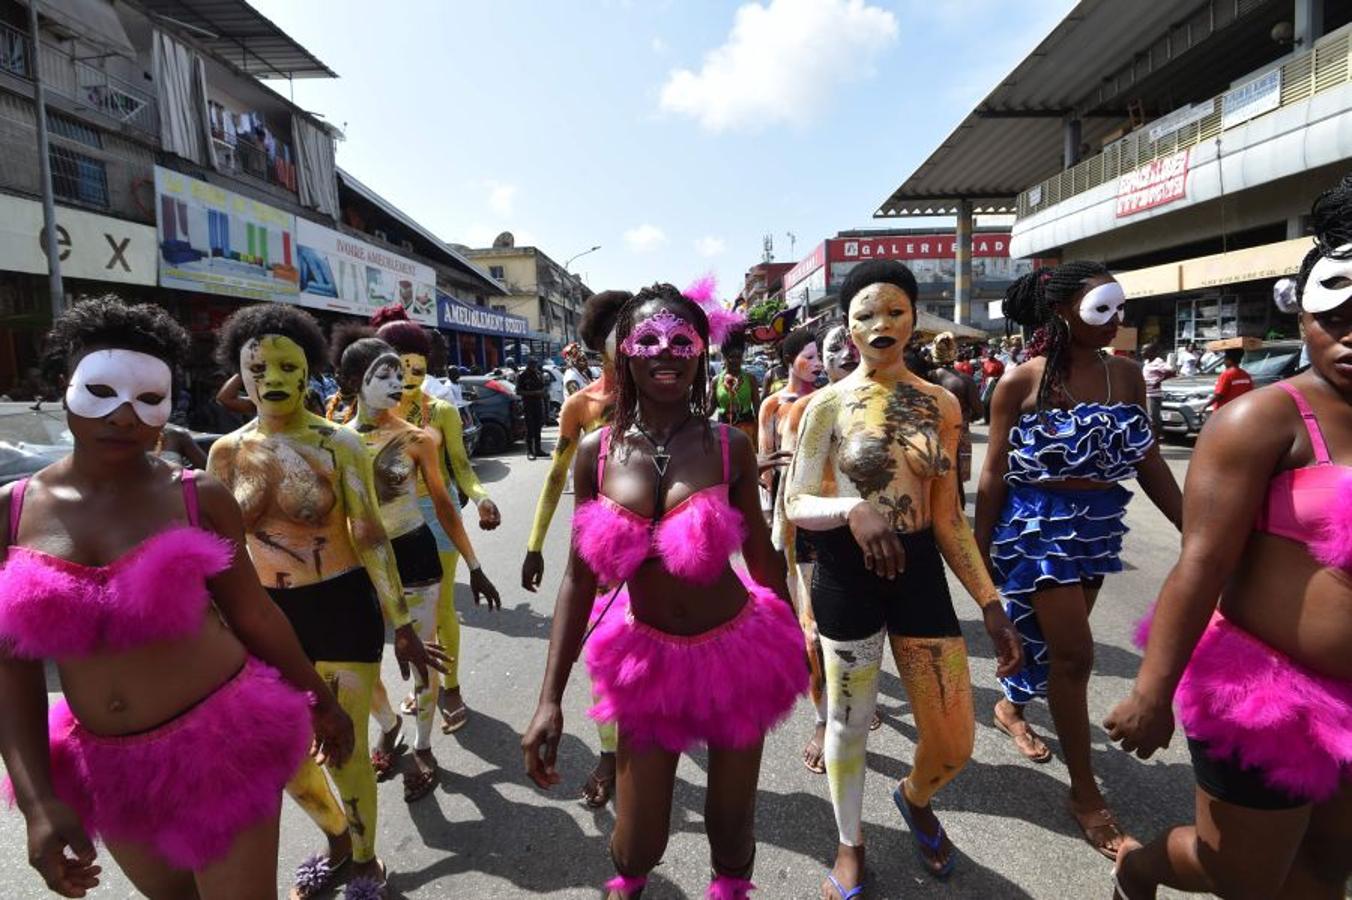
117,248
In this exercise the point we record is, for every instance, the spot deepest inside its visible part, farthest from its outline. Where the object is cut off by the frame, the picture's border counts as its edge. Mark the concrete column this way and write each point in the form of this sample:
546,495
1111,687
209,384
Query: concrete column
1296,227
1070,142
1308,22
962,269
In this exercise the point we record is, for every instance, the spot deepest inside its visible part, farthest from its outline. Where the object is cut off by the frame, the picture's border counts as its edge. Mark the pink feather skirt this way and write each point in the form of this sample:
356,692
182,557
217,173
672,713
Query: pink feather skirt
1253,703
188,787
725,688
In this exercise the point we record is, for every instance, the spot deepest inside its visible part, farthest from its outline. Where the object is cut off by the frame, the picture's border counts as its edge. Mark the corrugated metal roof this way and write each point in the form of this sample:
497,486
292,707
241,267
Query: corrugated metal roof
394,212
1102,54
242,35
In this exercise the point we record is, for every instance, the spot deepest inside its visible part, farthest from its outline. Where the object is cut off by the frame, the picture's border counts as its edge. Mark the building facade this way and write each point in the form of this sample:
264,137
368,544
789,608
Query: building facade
815,281
1181,144
539,290
182,179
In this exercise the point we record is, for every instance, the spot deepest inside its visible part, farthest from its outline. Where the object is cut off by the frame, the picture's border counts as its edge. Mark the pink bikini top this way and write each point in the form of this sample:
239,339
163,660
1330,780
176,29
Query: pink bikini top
1304,505
695,538
52,608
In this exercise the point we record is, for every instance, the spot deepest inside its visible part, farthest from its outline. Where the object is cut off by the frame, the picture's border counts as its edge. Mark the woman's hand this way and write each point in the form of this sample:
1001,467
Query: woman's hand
1005,638
532,570
489,517
768,462
883,553
334,737
1142,723
540,745
483,589
415,656
53,828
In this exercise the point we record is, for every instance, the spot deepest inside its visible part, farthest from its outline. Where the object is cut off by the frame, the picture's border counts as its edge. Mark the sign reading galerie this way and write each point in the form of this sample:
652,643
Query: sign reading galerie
1156,183
343,274
99,248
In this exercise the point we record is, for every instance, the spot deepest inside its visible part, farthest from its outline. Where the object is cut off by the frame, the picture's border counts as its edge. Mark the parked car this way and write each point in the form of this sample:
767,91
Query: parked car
500,412
469,427
1187,400
554,382
33,437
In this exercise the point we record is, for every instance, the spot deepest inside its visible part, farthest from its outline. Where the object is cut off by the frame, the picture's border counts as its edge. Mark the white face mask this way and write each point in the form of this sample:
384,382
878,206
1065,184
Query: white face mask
106,379
1103,304
382,387
1329,285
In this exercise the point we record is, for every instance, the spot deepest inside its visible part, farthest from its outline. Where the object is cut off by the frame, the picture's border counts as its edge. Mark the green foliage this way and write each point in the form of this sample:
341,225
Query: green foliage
763,312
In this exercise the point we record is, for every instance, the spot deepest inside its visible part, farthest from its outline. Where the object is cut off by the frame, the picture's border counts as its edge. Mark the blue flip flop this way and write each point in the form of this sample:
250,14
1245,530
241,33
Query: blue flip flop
840,889
923,843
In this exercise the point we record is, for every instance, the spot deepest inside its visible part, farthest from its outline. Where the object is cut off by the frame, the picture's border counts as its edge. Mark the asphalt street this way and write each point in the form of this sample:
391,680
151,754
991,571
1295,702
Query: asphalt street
487,832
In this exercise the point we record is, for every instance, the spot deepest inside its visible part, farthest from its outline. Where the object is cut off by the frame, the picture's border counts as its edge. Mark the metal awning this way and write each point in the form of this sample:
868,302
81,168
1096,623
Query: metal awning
243,36
1103,59
345,179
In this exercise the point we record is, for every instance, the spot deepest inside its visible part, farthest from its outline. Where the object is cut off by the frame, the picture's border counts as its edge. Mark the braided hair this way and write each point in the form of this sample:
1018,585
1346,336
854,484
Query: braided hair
1331,222
1032,301
626,391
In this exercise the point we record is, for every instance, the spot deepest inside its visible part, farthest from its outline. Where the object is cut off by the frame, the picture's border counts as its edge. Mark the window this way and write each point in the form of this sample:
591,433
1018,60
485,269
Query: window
496,272
71,130
80,178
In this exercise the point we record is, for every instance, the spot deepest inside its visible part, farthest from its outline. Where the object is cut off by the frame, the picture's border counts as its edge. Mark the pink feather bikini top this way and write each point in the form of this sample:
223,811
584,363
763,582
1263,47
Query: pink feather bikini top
52,608
694,539
1311,505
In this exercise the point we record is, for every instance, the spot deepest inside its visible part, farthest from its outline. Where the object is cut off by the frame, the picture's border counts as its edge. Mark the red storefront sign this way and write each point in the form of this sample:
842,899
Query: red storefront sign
1156,183
913,246
809,264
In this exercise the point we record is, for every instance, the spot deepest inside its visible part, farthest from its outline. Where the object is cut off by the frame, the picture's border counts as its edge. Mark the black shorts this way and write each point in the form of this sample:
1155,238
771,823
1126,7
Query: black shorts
415,552
1228,781
851,603
337,620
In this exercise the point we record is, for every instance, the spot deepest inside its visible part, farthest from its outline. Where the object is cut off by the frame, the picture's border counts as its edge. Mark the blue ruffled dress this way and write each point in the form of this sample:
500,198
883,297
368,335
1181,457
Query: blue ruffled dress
1046,537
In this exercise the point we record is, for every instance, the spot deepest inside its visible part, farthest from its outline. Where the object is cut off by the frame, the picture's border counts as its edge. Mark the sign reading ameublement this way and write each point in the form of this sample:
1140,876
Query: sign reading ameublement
1156,183
220,242
344,274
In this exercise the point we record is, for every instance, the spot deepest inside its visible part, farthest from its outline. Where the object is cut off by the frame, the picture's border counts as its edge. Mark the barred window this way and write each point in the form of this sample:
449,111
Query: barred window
71,130
80,178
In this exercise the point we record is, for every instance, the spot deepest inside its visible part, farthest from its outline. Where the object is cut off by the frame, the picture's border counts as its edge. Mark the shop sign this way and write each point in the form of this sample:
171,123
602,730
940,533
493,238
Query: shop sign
219,242
1156,183
1180,118
1253,98
455,315
806,266
914,246
1250,264
343,274
99,248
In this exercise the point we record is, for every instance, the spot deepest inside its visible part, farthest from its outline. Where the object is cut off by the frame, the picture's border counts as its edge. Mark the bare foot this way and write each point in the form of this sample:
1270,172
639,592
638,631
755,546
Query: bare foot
424,777
814,754
936,850
390,740
848,872
600,786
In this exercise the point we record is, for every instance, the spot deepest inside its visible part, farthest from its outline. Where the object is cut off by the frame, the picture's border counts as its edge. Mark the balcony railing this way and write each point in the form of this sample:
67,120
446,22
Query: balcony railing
245,157
1323,68
90,87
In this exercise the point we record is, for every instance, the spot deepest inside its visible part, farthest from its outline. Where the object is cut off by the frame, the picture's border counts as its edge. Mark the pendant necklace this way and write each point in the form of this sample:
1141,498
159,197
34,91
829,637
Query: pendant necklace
660,455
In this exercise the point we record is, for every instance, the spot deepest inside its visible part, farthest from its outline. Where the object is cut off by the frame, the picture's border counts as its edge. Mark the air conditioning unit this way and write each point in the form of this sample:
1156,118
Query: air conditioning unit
380,234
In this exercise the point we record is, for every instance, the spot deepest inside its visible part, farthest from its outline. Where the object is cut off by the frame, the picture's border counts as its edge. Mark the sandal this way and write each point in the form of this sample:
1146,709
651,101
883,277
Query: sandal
926,847
455,719
1100,830
1026,742
845,894
410,706
817,751
876,722
420,782
368,887
316,875
383,760
596,793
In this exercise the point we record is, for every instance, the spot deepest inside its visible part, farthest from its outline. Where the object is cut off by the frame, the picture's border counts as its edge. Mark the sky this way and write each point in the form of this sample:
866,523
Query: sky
674,134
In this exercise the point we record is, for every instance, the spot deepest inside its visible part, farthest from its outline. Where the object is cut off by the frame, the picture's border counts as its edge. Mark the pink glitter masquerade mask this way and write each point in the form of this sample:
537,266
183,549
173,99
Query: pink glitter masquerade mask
664,331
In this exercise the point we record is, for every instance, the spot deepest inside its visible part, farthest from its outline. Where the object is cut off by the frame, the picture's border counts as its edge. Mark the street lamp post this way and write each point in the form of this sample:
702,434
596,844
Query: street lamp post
579,256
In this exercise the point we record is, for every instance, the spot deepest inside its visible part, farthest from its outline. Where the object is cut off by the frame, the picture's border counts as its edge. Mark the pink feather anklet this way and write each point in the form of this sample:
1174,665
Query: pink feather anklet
626,884
725,887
